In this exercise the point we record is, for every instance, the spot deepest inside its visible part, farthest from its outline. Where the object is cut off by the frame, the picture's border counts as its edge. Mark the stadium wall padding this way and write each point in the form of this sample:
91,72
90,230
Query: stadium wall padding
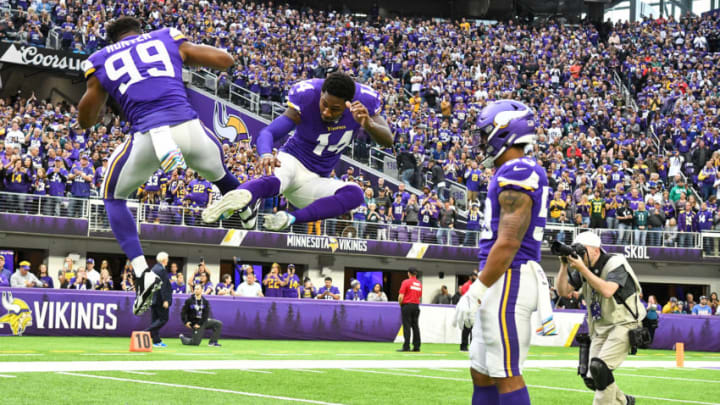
109,313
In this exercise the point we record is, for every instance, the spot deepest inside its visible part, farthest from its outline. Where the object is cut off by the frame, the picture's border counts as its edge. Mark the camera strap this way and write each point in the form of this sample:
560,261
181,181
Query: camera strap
634,314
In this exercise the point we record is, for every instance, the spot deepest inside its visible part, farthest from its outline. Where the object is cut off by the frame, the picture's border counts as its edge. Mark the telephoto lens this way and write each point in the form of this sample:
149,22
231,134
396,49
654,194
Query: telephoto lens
560,249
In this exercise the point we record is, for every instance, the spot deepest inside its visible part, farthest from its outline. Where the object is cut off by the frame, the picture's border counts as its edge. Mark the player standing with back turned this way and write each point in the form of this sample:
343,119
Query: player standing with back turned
143,73
506,291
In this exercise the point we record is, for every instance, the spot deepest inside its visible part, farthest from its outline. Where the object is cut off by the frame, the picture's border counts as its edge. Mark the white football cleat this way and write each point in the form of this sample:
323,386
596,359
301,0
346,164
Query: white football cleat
145,287
277,221
248,216
230,202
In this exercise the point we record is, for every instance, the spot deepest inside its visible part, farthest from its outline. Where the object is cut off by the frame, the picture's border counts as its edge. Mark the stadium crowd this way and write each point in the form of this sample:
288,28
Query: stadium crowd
602,156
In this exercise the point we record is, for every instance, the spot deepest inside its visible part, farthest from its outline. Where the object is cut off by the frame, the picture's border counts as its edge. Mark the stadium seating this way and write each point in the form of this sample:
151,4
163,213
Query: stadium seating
573,77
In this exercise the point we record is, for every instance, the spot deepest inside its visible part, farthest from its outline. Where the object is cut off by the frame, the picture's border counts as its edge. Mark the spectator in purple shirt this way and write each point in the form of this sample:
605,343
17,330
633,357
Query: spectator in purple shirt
686,223
397,210
5,273
290,283
82,176
178,286
206,284
46,280
80,281
307,291
354,293
273,282
328,291
225,287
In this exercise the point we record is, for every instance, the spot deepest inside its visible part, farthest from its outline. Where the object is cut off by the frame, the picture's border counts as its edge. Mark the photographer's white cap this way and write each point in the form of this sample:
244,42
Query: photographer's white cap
588,238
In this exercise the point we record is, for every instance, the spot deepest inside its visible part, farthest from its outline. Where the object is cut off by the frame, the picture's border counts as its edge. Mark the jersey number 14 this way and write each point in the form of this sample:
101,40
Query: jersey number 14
122,64
323,140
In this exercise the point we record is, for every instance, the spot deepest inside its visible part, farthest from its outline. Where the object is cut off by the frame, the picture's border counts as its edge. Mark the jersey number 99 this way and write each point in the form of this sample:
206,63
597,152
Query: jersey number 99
152,54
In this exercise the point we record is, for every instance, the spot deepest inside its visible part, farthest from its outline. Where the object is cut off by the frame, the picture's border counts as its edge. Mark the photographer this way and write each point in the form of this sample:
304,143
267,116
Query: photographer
615,312
196,317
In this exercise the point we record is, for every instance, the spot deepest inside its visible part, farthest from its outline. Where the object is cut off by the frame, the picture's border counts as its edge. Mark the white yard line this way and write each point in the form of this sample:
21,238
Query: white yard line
138,372
355,354
667,378
452,370
305,370
285,354
199,372
7,376
148,365
190,354
684,401
21,354
639,370
257,371
192,387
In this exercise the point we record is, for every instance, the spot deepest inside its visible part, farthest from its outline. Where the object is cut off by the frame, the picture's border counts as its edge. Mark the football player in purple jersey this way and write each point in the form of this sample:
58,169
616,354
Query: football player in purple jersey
143,73
505,294
326,115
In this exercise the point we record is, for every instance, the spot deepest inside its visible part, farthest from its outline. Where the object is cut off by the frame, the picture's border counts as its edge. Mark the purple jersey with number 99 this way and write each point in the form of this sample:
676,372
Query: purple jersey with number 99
143,73
318,144
526,176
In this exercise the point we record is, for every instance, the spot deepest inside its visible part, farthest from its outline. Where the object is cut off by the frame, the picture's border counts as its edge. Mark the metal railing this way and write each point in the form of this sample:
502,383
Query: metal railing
44,205
387,163
634,237
93,210
223,88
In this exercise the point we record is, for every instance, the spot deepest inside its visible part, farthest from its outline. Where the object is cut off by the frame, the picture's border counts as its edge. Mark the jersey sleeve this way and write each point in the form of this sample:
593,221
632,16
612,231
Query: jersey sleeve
177,36
370,99
89,66
520,176
300,95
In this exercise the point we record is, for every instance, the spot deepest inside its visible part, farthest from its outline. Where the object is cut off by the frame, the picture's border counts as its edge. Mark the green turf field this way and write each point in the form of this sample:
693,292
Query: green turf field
279,372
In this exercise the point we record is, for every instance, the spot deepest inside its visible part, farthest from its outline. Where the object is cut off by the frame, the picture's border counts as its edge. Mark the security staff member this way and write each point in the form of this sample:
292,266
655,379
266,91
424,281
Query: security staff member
160,306
196,316
614,309
409,299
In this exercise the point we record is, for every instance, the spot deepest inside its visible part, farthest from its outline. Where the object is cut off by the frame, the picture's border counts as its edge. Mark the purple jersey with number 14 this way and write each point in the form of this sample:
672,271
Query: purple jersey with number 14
318,144
143,73
526,176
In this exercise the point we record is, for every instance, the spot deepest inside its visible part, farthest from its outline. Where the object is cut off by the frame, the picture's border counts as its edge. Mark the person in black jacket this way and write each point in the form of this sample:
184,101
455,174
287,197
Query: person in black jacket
407,164
196,316
161,300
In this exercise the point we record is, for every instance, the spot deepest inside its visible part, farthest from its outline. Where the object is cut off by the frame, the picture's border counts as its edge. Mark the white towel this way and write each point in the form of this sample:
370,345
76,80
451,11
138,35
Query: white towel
166,150
544,305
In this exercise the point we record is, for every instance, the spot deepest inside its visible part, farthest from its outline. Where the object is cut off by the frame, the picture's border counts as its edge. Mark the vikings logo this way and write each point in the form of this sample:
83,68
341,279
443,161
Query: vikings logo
333,244
19,315
229,127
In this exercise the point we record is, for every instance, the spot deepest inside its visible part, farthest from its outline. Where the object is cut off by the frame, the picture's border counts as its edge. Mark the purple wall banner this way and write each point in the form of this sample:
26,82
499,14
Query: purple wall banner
311,243
46,312
43,224
656,253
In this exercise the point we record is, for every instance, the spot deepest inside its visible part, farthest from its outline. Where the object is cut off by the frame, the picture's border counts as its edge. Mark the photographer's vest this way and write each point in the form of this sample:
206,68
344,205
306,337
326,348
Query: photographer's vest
612,310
